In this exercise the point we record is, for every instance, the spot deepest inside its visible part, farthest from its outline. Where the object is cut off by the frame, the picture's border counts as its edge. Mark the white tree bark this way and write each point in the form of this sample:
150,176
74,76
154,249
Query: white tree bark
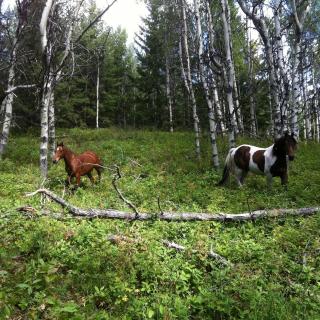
168,93
8,100
296,99
97,94
253,118
187,78
283,74
316,124
306,107
217,104
47,88
51,124
239,121
6,105
212,122
229,70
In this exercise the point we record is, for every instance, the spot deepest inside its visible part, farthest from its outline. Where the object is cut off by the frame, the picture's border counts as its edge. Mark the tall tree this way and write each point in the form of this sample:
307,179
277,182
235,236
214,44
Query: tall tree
186,74
203,75
229,71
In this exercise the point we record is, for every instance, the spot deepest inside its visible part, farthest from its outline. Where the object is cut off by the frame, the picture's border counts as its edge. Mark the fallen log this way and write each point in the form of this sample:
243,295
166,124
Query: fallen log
175,216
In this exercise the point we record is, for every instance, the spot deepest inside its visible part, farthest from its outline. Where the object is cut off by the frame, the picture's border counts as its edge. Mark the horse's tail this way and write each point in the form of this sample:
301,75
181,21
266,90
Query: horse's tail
226,169
101,165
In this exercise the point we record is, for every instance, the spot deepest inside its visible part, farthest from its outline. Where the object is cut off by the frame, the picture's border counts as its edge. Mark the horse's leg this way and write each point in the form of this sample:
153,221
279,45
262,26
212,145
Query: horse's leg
240,175
89,175
99,170
78,177
68,180
243,176
269,181
284,180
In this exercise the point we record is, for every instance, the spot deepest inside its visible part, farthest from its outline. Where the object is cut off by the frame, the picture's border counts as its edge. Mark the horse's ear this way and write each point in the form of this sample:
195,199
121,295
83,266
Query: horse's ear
60,144
286,134
292,135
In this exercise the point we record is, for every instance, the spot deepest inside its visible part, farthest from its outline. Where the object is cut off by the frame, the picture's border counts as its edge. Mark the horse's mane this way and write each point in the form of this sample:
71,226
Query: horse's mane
279,147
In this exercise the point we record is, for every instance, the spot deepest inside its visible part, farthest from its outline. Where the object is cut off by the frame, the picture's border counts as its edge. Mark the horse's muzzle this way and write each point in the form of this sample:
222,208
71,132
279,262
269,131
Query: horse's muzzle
54,161
291,158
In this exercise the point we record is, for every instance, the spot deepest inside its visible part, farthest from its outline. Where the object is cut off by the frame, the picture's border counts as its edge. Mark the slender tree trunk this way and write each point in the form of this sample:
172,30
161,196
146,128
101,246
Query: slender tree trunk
188,80
217,104
283,77
45,106
212,123
317,125
306,109
239,124
168,92
52,127
253,118
238,115
316,108
97,95
47,88
229,71
218,107
294,126
8,100
7,104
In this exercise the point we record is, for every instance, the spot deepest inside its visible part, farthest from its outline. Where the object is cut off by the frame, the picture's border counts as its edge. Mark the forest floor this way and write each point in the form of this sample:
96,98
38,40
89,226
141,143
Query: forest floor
55,266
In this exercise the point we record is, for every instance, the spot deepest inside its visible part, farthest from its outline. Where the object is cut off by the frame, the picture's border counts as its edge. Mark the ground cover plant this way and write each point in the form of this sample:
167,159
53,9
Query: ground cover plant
66,268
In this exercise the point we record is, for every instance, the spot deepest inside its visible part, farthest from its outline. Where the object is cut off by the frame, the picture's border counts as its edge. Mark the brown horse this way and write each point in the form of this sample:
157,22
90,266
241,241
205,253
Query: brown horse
78,165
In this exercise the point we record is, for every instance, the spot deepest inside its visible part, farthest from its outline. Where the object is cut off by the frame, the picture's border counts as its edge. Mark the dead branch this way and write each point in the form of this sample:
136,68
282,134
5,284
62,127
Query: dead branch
119,238
176,216
116,177
210,254
22,86
97,18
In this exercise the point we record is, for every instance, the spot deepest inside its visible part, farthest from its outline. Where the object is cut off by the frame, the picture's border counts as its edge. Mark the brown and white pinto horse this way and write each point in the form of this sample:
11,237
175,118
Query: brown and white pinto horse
271,161
78,165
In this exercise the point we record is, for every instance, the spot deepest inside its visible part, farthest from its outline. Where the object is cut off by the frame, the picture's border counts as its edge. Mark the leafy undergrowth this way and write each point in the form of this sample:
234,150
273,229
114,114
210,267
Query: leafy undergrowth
68,269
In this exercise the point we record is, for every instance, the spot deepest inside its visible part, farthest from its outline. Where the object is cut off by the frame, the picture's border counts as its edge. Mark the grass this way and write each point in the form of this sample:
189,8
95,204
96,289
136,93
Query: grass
53,269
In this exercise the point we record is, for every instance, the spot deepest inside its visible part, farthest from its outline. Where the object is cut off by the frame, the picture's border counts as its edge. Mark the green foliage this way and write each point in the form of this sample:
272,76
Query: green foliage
67,269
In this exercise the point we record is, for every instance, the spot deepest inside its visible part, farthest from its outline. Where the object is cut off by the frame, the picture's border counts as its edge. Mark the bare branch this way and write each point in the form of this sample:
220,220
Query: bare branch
211,253
119,238
22,86
96,19
118,176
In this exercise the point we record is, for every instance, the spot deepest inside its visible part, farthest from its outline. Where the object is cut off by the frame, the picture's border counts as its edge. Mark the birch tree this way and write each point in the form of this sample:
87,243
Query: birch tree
168,93
186,75
213,63
211,116
229,71
283,79
253,117
6,105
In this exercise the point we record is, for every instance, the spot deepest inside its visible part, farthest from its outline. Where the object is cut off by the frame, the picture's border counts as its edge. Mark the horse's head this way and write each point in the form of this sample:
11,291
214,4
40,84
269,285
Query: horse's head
59,153
286,145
